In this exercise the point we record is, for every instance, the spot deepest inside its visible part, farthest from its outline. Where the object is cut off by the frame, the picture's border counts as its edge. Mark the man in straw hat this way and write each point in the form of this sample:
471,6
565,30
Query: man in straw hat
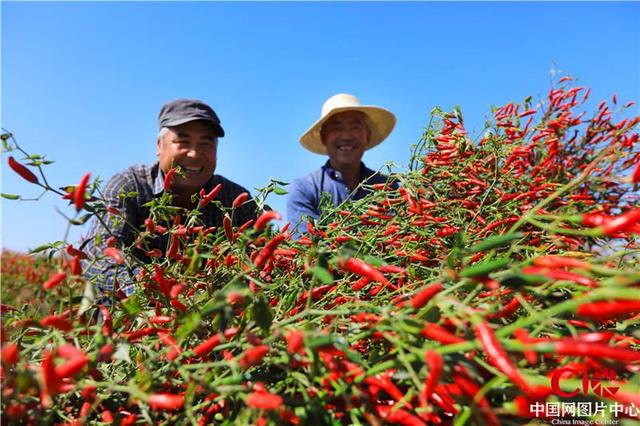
344,131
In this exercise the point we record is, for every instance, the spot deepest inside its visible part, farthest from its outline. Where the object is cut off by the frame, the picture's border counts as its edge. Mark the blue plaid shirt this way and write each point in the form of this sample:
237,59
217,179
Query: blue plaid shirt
305,192
147,181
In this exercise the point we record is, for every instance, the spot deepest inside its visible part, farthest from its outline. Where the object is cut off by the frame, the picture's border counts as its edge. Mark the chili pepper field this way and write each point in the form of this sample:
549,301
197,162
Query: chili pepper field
499,285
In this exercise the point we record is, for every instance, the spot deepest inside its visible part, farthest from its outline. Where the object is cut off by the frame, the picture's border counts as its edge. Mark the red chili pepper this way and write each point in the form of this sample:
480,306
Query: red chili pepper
105,352
174,349
574,347
168,178
635,178
72,366
497,355
600,311
25,173
10,354
295,341
208,345
447,231
239,200
361,268
107,324
55,280
264,400
253,356
165,401
228,231
75,252
135,335
621,223
51,379
78,193
150,225
57,321
178,305
265,218
471,390
395,415
524,338
389,387
210,196
508,310
423,296
267,251
440,334
551,261
174,246
76,266
560,274
154,253
436,367
129,419
527,113
113,253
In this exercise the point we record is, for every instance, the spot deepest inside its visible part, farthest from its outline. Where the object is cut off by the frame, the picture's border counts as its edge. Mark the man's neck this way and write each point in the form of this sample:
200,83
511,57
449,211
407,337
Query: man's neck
350,175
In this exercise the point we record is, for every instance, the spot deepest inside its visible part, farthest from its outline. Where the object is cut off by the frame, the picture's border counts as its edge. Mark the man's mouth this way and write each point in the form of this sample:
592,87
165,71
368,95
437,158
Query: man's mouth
192,170
345,148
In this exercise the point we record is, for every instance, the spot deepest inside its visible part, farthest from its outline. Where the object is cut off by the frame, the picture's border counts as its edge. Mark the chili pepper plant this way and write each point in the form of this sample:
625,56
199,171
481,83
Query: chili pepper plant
451,297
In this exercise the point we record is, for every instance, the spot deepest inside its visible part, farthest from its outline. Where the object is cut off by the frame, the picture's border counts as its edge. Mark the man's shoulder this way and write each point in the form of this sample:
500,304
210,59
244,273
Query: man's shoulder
309,178
132,178
138,170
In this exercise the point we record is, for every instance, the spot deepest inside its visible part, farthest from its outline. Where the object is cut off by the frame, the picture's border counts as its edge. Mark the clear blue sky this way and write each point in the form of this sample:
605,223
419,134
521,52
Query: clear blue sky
83,82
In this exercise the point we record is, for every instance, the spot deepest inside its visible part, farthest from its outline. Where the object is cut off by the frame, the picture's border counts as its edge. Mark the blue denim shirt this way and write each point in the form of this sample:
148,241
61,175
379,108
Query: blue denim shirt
305,192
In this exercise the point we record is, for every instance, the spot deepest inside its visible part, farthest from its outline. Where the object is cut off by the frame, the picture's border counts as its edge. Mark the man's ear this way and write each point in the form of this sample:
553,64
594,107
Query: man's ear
369,135
158,146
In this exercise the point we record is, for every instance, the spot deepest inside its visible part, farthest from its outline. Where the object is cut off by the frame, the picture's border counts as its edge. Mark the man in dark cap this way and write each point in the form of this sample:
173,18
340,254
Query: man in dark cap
187,141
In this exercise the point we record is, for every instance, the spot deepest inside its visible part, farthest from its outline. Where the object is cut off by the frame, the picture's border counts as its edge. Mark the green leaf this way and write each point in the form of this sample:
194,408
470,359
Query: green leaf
321,274
42,248
132,306
122,353
496,241
88,298
10,196
280,191
373,261
485,267
262,313
320,341
212,306
81,220
189,324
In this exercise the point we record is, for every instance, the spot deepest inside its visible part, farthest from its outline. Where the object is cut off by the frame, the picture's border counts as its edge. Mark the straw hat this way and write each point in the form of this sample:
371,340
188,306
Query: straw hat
380,120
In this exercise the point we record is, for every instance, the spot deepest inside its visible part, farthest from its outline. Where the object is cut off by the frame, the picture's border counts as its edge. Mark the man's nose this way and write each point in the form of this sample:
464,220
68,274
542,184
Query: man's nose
193,151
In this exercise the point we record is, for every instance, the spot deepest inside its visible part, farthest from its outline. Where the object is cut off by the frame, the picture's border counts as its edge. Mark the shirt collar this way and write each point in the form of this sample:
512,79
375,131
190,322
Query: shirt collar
365,172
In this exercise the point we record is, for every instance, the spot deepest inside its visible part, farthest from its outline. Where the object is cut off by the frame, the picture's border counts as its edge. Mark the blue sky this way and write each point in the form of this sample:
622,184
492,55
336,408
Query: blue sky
83,82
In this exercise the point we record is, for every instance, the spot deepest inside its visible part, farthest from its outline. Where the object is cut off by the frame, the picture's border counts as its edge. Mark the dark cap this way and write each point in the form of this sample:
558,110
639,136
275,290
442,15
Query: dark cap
182,111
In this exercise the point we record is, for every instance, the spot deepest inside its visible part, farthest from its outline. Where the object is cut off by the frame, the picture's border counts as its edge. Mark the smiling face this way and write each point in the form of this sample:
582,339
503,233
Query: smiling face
193,147
346,136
